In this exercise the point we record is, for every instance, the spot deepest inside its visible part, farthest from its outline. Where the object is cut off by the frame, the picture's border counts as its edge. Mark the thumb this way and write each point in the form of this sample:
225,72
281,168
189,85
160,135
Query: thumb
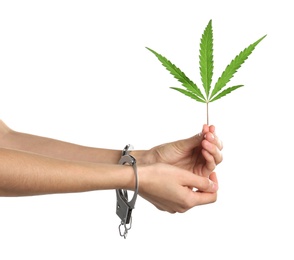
196,139
192,142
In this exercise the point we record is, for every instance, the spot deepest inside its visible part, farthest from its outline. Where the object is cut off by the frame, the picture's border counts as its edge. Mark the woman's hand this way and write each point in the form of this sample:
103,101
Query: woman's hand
173,189
199,154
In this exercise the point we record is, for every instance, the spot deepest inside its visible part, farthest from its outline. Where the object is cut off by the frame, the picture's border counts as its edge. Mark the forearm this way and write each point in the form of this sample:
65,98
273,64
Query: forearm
57,149
23,174
11,139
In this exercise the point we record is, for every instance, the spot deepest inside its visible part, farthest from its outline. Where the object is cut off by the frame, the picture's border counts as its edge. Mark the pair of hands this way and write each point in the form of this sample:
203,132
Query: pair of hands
180,175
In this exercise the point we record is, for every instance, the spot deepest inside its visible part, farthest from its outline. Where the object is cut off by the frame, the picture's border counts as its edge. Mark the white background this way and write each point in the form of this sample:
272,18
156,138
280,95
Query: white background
79,71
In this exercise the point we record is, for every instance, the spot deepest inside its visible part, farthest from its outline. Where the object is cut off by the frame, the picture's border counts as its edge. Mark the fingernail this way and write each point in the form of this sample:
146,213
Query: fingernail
214,186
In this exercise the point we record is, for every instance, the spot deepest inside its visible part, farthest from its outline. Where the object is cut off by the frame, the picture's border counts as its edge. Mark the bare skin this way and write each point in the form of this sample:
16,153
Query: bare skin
35,165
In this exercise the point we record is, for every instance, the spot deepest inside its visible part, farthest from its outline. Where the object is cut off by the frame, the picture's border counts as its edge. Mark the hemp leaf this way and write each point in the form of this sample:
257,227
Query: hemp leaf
206,71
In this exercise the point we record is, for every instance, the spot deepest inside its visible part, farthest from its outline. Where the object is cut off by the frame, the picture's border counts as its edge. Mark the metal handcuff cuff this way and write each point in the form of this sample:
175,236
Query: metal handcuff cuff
124,206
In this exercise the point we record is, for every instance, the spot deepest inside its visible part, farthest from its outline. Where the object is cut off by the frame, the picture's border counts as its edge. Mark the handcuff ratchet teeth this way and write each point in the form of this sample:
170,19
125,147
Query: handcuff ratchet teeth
124,206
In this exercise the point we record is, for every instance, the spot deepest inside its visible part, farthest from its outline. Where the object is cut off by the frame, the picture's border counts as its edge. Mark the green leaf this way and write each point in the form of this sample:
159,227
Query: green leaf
206,65
189,94
225,92
178,74
232,68
206,58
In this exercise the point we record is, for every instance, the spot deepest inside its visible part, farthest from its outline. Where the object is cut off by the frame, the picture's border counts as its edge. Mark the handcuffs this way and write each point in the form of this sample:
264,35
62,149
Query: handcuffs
124,206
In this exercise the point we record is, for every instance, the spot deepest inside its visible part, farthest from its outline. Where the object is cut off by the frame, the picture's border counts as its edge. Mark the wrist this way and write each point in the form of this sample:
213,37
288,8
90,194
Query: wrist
142,156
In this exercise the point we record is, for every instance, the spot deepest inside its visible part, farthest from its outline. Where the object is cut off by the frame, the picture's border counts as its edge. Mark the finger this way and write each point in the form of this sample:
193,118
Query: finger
201,183
217,141
212,129
213,138
184,201
190,143
212,149
205,129
213,177
195,140
203,197
210,164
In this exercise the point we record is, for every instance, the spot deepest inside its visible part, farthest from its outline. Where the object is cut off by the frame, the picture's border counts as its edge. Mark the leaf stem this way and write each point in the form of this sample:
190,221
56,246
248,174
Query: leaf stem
207,116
